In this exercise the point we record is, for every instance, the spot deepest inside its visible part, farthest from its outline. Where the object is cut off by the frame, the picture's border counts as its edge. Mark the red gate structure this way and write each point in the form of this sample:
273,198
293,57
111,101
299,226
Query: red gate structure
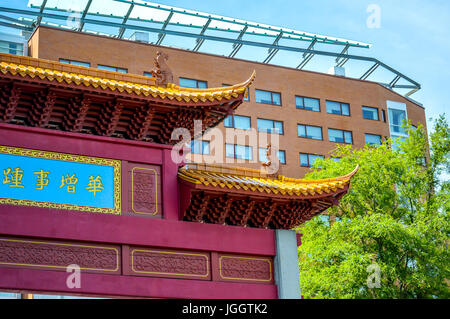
88,179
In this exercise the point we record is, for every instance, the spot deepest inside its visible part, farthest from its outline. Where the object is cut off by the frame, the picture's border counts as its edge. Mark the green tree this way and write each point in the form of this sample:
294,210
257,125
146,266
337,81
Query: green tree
396,216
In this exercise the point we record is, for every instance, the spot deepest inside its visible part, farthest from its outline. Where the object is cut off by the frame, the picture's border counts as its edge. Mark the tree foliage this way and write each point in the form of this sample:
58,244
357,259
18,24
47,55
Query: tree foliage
396,215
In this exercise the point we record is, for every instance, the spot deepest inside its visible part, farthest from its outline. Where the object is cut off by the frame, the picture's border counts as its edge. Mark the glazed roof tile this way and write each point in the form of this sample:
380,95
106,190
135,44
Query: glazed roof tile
254,180
84,76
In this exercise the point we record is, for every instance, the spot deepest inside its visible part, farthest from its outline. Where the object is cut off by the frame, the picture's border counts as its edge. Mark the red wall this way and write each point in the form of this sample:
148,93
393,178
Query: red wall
210,261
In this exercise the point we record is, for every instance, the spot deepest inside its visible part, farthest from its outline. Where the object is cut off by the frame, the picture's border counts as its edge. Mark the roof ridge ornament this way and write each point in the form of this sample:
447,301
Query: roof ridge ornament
161,72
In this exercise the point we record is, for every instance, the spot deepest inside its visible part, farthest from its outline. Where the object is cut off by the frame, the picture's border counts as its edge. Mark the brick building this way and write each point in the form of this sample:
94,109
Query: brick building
312,111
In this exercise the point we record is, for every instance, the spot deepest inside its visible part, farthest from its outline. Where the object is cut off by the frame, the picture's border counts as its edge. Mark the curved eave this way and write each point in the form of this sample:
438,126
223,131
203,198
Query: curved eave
259,186
245,197
240,87
24,67
324,180
265,195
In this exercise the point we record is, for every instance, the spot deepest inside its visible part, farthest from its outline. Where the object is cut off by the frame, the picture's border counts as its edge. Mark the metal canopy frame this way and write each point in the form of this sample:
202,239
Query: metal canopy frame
270,36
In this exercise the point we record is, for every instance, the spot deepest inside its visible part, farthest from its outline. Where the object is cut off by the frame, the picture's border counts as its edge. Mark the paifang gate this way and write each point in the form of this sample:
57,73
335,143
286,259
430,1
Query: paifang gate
88,180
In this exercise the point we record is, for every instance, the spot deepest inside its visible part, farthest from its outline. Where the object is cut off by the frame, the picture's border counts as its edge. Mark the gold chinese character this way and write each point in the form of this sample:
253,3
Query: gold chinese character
95,184
13,177
6,179
42,179
69,182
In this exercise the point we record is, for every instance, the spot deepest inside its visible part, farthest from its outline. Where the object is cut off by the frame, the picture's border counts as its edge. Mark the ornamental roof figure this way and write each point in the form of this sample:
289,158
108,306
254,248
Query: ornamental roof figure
162,73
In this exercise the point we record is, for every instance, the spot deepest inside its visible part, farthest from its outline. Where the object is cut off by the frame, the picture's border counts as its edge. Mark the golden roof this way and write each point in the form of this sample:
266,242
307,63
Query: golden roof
133,84
254,180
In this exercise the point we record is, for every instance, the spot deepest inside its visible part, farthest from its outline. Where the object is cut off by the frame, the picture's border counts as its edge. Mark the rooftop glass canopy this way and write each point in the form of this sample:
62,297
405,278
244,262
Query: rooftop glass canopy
170,26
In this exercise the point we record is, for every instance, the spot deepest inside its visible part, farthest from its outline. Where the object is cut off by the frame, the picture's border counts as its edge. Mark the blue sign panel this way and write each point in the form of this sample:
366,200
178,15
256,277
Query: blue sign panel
56,180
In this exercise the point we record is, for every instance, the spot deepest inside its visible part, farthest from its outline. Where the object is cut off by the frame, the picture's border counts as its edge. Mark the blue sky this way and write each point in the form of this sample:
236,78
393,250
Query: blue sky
414,36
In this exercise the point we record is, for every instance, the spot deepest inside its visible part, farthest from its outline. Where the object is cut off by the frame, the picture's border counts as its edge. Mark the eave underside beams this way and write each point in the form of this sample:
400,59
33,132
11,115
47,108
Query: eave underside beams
101,113
255,211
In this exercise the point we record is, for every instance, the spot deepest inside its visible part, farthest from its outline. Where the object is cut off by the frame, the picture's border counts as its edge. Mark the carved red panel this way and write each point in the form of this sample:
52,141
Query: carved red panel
52,255
142,190
250,269
170,263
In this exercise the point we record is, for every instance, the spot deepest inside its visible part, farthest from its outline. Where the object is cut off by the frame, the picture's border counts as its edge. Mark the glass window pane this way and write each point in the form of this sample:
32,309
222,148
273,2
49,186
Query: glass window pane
4,47
106,68
264,125
195,147
282,157
262,154
299,102
314,132
348,137
276,97
278,127
205,147
11,47
243,152
396,118
188,83
396,129
242,122
228,122
249,153
345,109
333,107
372,139
18,50
301,130
263,97
110,68
86,64
304,160
335,135
202,84
149,74
370,113
79,63
229,150
312,104
240,151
